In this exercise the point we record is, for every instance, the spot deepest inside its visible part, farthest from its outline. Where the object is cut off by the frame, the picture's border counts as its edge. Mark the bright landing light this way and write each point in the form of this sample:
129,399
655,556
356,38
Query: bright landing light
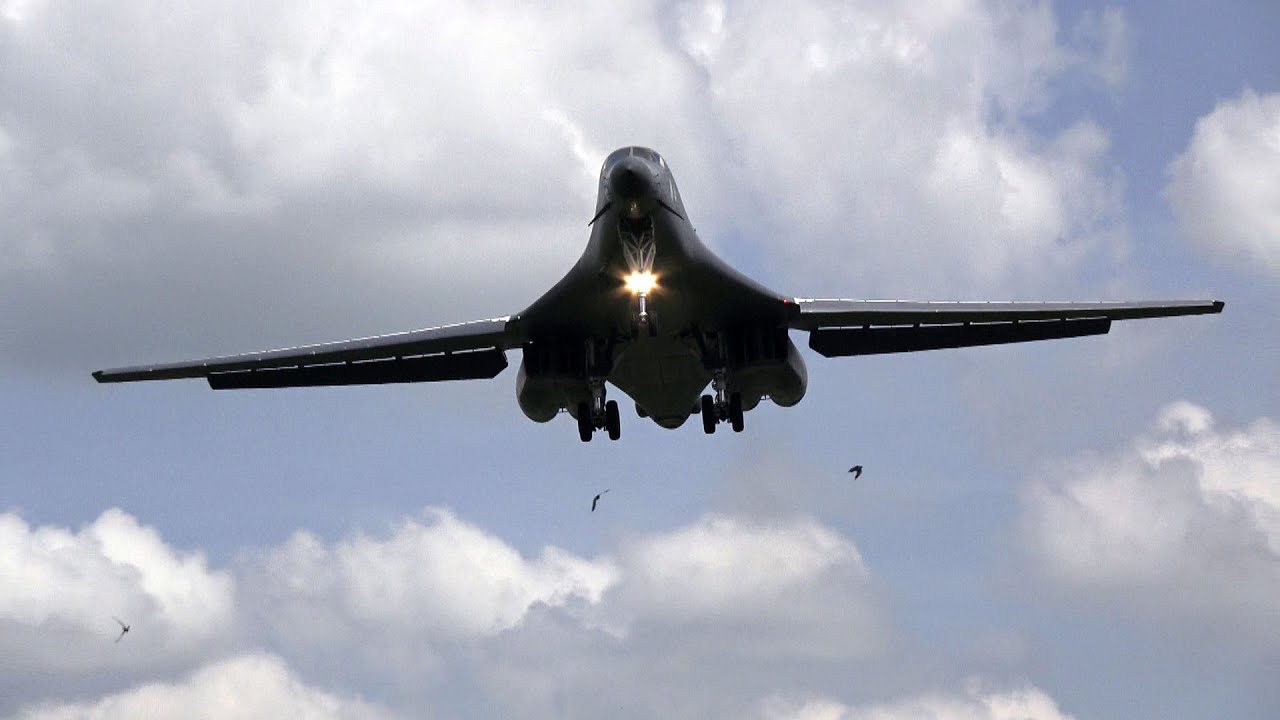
641,283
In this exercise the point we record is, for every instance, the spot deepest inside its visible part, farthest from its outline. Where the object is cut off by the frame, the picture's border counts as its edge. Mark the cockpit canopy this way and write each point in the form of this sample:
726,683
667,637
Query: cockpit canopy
631,151
663,184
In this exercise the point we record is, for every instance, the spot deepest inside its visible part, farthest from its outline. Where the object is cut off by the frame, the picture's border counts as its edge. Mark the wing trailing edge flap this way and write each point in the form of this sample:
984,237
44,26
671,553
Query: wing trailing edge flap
815,314
840,328
846,342
466,351
472,365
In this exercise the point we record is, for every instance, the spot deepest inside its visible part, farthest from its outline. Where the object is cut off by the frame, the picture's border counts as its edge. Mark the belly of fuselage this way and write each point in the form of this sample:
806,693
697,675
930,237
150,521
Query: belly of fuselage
593,317
664,375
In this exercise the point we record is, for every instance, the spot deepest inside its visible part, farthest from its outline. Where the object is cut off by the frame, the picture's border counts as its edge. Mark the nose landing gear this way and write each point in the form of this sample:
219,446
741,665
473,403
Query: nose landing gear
642,301
639,249
598,414
725,406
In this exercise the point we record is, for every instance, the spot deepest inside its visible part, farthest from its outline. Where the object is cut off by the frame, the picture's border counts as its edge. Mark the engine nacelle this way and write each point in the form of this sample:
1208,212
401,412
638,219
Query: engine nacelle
791,379
782,376
539,397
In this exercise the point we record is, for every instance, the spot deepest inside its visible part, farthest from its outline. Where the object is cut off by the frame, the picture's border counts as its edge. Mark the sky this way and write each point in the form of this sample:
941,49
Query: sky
1070,529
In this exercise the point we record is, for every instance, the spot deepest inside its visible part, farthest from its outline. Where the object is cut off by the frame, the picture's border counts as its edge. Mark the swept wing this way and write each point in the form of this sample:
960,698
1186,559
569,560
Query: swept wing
466,351
841,328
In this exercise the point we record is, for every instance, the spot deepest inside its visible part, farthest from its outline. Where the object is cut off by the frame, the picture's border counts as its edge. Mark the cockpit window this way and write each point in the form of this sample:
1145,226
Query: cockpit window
647,154
636,151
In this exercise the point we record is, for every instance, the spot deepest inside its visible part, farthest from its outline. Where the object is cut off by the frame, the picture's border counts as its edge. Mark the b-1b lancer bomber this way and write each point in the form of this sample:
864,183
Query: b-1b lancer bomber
651,311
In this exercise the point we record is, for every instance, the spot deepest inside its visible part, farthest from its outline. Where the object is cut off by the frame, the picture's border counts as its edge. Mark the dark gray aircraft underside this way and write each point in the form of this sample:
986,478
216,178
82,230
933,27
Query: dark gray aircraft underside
651,311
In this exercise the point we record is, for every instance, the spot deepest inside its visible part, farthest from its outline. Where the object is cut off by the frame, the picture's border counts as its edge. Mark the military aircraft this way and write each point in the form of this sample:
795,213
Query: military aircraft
651,311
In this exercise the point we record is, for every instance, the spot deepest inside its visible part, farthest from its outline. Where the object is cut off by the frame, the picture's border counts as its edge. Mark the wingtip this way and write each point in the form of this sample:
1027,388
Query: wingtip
1218,305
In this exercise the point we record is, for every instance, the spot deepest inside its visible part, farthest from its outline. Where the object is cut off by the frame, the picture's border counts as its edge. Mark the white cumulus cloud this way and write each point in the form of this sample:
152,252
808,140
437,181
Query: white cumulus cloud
1028,703
730,565
397,601
62,587
1182,523
898,135
441,581
248,687
788,586
434,578
410,610
437,596
1225,187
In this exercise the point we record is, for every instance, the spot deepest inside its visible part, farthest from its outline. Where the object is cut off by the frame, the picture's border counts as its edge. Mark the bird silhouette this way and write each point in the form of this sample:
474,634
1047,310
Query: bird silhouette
857,471
595,500
123,628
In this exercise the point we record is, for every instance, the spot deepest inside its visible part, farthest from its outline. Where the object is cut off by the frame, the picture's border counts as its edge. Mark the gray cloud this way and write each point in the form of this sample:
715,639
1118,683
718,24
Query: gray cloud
1107,45
233,177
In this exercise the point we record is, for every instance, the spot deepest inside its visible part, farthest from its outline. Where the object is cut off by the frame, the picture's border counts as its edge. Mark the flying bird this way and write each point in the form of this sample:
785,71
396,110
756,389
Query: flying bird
595,500
123,628
857,471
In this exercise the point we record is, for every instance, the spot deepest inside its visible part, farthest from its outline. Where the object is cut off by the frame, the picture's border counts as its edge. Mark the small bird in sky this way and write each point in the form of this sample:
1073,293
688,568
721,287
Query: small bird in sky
595,500
123,628
857,471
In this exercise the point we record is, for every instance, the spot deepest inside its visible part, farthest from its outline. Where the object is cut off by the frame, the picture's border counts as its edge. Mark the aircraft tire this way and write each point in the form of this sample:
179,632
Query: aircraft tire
735,411
585,428
708,414
612,421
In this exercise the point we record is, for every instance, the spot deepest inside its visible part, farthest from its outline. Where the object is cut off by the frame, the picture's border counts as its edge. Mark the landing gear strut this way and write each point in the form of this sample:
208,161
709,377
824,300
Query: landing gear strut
598,414
642,303
725,406
639,249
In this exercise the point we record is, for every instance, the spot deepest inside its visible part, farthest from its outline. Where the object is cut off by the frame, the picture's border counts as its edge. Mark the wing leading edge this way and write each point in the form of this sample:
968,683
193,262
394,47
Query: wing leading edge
842,328
466,351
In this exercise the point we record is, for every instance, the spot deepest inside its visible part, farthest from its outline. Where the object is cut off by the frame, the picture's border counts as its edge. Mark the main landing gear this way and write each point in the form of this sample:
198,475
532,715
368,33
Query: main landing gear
598,414
725,406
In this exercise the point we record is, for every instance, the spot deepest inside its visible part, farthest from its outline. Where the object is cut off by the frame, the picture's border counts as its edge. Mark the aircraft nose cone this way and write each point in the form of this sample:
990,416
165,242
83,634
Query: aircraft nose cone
630,179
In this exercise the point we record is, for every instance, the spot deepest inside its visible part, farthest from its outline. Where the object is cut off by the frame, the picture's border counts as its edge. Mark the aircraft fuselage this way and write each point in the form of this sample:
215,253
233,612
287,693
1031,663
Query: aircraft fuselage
654,313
